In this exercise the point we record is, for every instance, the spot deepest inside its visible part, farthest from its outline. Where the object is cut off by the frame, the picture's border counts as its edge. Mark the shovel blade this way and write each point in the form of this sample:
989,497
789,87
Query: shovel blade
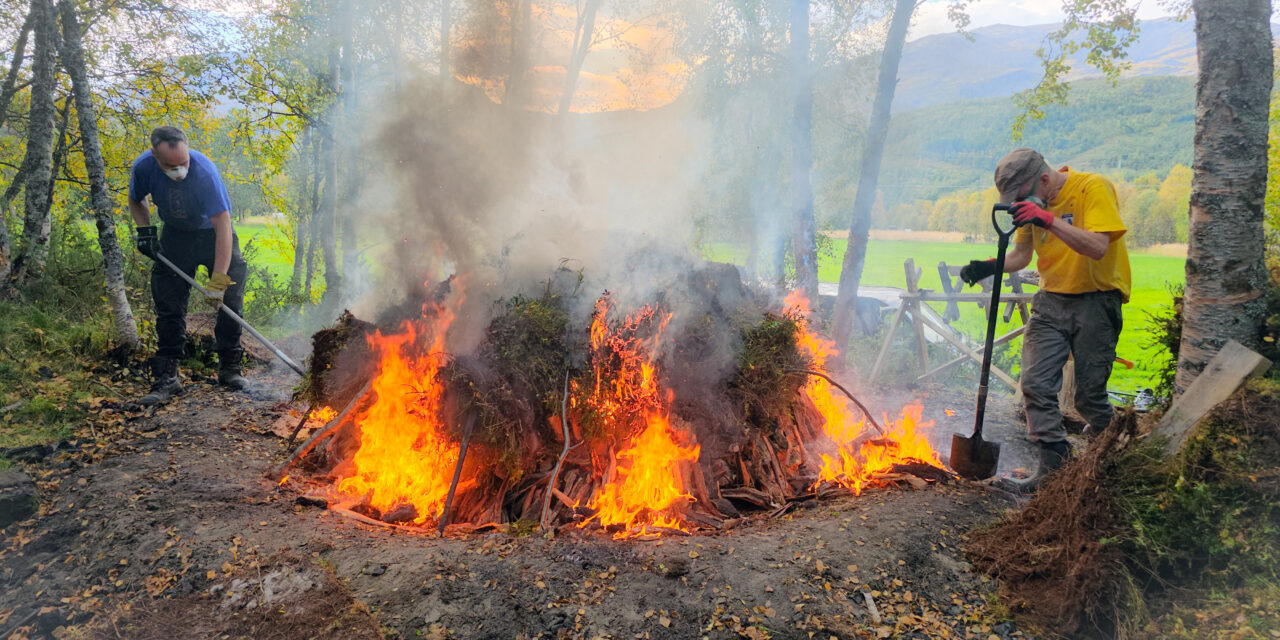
973,457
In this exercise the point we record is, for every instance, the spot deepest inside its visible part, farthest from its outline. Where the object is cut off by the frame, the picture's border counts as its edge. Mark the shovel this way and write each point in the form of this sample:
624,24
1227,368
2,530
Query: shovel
973,457
234,316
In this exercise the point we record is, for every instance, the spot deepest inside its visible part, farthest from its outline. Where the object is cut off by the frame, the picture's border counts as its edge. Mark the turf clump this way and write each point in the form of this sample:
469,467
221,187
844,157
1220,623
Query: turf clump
515,381
1122,524
766,379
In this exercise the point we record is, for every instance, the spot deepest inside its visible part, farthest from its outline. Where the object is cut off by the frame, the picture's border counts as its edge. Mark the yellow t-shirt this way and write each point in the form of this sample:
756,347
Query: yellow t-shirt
1086,201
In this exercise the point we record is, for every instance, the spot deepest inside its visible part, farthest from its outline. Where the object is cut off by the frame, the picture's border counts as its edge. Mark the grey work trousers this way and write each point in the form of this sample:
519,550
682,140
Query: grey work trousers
1085,326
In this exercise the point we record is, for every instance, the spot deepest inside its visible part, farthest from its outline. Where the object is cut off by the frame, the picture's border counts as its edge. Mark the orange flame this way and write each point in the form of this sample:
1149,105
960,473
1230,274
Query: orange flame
650,484
405,456
323,415
856,466
861,453
647,481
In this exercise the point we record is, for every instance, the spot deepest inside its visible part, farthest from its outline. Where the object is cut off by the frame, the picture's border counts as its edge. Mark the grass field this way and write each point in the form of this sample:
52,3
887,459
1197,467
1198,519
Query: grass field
272,248
1152,275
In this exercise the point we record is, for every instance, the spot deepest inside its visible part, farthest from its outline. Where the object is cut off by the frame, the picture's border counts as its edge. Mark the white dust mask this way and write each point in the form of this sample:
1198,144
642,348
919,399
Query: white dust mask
177,174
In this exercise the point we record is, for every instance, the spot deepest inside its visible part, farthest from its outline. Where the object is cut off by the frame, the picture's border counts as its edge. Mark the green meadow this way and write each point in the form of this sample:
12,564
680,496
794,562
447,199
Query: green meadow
1152,276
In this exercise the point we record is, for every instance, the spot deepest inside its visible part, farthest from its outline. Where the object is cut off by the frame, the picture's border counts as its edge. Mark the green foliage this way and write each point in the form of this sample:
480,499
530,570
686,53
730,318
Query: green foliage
766,378
1142,125
517,380
267,294
1272,203
527,339
45,362
1154,211
1164,337
1109,26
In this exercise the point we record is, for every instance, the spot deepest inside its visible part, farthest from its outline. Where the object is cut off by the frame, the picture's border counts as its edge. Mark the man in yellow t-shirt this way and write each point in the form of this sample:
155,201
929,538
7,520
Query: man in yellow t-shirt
1078,240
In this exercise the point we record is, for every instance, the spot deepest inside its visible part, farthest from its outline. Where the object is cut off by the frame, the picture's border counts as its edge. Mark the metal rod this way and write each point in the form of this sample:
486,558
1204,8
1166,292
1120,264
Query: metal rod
457,473
555,473
234,316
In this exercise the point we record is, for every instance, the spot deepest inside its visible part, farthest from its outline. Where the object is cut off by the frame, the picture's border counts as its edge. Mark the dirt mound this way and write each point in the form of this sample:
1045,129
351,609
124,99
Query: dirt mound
283,598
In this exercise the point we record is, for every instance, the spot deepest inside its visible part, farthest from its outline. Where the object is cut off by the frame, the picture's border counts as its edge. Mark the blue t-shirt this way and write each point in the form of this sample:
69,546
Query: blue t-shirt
187,204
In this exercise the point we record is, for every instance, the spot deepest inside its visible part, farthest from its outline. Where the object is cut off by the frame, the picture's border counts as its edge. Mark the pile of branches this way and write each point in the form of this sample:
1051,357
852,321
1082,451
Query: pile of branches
732,364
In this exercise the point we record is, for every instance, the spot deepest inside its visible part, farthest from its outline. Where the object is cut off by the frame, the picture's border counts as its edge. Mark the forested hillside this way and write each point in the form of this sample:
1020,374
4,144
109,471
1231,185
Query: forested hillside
1153,207
1142,125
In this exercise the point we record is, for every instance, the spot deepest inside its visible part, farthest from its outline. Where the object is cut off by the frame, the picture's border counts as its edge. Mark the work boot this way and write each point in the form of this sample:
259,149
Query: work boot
1052,456
229,374
164,382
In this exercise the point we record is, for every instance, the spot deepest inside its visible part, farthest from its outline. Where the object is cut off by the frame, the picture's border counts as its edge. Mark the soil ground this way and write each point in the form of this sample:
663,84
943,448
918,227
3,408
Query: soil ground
172,531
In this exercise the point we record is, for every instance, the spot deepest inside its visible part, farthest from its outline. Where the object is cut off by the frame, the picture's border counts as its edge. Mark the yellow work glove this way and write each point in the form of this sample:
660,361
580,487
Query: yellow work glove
216,288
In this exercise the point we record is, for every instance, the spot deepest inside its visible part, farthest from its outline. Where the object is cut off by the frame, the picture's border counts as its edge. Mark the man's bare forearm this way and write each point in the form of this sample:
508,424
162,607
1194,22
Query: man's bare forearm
1090,244
1019,258
141,213
222,242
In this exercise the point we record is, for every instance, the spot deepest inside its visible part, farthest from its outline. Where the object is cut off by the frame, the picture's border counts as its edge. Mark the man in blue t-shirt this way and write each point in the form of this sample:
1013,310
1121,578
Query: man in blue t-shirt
188,193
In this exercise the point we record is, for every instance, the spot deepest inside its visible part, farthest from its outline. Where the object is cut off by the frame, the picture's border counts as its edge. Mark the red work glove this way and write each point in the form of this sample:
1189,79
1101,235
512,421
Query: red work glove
1025,213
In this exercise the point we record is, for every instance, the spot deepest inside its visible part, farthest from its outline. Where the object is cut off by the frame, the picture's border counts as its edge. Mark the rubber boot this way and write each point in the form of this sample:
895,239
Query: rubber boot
1052,456
164,382
229,374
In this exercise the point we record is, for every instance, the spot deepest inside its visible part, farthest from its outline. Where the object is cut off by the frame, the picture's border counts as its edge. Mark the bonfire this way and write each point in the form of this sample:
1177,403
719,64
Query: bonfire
681,414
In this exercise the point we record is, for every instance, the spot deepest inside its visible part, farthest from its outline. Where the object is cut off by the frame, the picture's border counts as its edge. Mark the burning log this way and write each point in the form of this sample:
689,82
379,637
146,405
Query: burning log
854,400
328,430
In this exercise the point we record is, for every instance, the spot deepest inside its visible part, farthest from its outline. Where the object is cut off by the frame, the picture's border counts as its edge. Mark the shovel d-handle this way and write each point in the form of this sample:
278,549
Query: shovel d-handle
993,309
995,222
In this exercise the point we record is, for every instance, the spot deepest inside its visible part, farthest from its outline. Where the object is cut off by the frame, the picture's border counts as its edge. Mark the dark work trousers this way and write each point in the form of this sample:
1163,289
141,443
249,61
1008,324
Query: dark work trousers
188,250
1085,326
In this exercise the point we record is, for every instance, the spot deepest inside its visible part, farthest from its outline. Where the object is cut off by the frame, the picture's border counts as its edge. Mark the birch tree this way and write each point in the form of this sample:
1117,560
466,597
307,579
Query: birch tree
855,254
803,227
1225,297
38,162
73,61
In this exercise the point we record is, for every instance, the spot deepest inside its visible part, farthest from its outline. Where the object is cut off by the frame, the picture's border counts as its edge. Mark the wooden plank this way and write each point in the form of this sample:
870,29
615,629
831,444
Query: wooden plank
962,358
996,371
913,286
1234,364
933,296
952,312
888,341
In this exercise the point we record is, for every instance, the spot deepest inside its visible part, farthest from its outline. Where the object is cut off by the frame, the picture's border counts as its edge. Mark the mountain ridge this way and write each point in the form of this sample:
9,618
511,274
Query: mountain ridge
1001,61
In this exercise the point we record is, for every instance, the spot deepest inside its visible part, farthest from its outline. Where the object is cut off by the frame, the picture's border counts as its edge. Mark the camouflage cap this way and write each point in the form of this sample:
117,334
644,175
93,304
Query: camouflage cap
1016,170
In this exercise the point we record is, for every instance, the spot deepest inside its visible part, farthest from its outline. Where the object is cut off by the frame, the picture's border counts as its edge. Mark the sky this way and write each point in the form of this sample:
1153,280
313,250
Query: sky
931,18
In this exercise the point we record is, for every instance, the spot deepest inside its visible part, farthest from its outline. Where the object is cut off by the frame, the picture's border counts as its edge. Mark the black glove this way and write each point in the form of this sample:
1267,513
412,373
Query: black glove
978,270
149,242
